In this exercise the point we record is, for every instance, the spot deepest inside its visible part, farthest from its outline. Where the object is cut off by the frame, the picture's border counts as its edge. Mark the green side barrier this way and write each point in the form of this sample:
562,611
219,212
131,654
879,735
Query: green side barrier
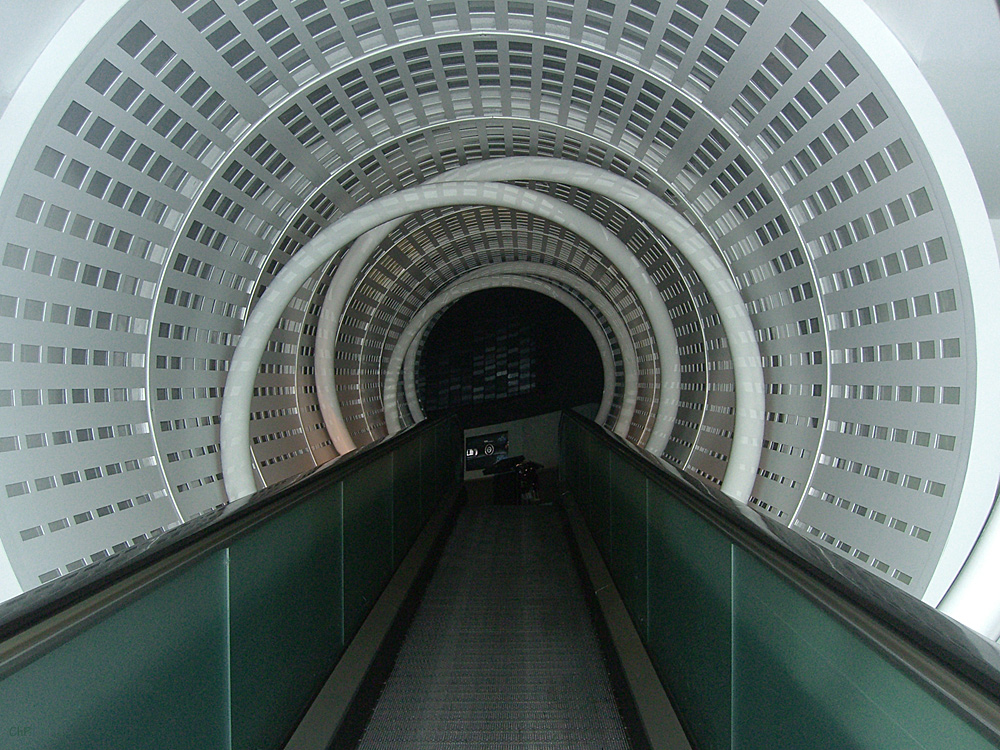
279,661
749,659
152,675
223,641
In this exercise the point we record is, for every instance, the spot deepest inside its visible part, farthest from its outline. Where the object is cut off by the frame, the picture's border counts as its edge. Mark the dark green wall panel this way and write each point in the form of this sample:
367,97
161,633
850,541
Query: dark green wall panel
449,463
368,545
411,494
599,514
628,538
749,660
574,465
153,675
228,651
428,496
690,589
804,680
286,617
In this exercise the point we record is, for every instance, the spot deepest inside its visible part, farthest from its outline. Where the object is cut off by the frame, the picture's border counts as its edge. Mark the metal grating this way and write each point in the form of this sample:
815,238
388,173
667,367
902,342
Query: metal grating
502,651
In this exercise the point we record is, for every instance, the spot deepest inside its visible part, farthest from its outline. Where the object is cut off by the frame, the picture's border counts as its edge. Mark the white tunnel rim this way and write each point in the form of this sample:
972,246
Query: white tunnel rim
748,430
461,288
648,298
403,363
237,456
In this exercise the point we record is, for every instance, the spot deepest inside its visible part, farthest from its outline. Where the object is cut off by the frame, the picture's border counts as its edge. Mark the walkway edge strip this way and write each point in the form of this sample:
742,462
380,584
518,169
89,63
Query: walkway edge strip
323,719
659,720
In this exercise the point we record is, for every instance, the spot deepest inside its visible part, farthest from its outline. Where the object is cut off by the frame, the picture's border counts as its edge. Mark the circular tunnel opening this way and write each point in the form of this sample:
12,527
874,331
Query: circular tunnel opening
500,355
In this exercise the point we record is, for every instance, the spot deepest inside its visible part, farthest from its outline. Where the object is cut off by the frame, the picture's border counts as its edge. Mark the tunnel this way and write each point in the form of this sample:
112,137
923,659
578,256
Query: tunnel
229,227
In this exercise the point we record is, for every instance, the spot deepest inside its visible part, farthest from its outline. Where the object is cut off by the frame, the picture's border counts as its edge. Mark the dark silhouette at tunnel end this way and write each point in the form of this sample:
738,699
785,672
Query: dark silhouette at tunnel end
505,354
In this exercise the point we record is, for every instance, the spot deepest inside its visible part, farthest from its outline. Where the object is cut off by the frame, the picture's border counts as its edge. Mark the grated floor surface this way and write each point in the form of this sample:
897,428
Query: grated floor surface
501,652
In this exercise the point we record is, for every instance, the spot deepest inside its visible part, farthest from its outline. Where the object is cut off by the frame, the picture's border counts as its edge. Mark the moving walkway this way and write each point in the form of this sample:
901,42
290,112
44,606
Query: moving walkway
281,621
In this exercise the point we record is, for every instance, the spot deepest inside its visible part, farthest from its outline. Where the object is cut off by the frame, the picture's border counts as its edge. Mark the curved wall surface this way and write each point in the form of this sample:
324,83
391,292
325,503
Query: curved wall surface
170,164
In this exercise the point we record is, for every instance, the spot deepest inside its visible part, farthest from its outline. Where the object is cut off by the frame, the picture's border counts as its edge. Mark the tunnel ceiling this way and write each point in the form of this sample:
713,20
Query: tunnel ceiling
174,167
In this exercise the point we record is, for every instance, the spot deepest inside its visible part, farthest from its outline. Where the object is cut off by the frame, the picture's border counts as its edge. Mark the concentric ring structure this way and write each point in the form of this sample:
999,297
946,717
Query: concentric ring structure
762,211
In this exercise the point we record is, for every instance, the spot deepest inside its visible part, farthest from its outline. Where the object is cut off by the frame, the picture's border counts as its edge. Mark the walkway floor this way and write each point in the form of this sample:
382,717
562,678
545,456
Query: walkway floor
502,651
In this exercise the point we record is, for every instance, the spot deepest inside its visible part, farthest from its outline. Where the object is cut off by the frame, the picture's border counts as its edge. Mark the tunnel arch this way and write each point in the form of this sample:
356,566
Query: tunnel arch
402,363
695,249
237,459
603,310
469,286
617,332
171,157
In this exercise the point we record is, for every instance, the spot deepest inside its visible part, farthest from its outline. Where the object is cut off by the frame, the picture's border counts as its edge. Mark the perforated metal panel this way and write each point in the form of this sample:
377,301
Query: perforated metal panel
196,145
